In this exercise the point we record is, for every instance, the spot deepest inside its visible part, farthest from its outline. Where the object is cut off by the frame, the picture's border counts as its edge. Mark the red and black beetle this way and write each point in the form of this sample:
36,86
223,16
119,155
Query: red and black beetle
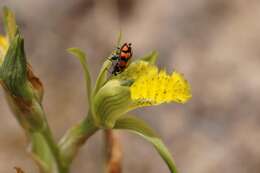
122,58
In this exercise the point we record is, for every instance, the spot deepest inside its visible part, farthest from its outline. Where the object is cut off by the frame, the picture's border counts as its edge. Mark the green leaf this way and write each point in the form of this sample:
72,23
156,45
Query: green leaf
151,58
139,127
9,23
83,60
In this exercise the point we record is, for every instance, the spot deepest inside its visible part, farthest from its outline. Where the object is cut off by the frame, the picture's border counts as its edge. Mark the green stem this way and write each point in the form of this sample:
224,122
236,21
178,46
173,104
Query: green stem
74,139
43,147
45,152
54,149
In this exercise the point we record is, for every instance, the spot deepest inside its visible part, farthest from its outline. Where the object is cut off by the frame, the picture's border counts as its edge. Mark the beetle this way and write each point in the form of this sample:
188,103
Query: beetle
122,58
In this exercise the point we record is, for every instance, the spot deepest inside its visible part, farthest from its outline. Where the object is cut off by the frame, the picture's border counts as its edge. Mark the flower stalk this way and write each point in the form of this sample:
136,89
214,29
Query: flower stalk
113,152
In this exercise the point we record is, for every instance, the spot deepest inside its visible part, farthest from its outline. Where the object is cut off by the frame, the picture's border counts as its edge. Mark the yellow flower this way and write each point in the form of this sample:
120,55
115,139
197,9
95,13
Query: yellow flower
152,86
159,88
3,48
141,84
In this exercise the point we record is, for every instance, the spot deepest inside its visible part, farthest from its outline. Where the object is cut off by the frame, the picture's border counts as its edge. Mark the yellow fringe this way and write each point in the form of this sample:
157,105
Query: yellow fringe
152,87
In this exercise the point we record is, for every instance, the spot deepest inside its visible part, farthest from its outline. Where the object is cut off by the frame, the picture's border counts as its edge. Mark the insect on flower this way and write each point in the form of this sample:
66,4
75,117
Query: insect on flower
122,57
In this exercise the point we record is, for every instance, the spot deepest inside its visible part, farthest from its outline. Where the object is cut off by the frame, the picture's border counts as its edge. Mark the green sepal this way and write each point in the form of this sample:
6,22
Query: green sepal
83,60
119,38
151,58
14,69
102,76
101,80
138,126
20,92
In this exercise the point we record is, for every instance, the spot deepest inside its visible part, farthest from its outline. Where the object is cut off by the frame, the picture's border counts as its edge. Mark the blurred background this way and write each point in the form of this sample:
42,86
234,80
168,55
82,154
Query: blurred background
215,43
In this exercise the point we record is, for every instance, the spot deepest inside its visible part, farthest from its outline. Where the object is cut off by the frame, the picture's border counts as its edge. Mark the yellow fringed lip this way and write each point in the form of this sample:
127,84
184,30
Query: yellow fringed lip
156,87
3,48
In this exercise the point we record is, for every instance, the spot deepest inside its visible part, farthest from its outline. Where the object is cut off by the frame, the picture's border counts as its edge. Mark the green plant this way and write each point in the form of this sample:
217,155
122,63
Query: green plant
110,100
